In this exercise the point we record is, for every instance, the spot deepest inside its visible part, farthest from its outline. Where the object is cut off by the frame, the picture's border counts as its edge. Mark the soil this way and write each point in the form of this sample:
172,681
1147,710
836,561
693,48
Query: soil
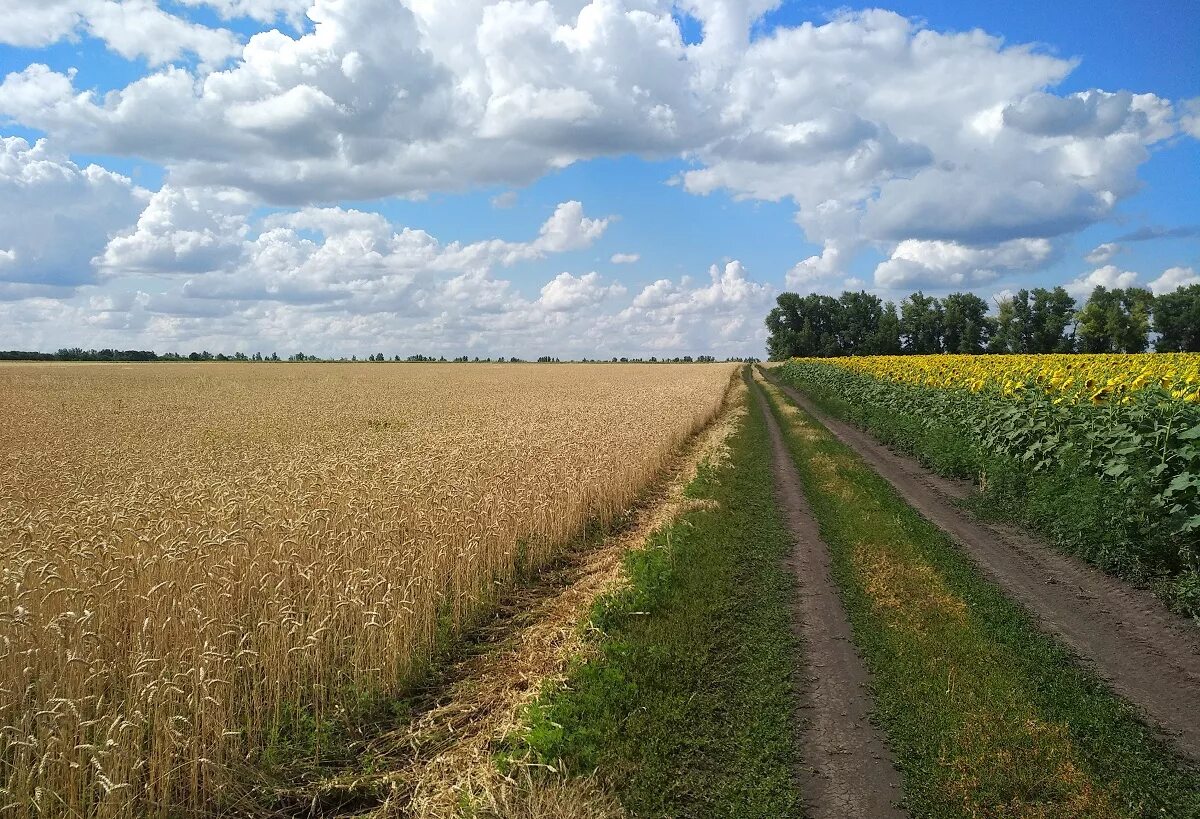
847,770
1147,654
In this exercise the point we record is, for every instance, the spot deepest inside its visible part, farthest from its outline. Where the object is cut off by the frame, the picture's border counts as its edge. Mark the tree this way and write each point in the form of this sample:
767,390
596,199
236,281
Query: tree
1050,314
921,324
1096,319
1177,321
1133,334
887,337
966,326
803,326
1115,321
1014,325
859,315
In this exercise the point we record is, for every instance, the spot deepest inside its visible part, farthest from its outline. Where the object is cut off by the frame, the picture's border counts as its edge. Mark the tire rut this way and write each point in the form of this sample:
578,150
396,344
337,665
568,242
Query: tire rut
848,770
1146,654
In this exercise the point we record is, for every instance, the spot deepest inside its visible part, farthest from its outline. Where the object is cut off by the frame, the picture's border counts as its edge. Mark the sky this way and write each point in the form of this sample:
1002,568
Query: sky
574,178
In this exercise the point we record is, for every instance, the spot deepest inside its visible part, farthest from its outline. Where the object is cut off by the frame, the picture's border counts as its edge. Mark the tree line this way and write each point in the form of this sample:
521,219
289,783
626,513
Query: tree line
1040,320
107,354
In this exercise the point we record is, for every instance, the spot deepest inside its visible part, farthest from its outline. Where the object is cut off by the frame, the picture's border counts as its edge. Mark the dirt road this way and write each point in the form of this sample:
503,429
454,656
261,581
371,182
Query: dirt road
848,769
1147,654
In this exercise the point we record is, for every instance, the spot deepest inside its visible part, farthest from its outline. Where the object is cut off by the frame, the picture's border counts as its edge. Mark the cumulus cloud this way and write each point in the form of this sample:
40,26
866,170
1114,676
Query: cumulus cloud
1103,254
724,313
182,230
1109,276
265,11
340,256
819,272
625,258
1090,113
879,129
569,229
55,215
131,28
351,278
411,310
949,152
937,264
566,293
505,200
1172,279
1190,120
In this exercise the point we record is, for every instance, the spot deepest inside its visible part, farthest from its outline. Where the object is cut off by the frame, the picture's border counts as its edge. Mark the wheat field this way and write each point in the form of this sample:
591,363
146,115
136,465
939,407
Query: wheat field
192,557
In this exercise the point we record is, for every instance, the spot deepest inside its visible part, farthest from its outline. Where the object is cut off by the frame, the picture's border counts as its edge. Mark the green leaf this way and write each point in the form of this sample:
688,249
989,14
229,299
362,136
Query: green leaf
1183,481
1192,434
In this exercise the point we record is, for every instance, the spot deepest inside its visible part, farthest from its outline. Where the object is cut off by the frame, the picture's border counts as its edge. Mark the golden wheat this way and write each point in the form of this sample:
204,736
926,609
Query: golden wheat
190,555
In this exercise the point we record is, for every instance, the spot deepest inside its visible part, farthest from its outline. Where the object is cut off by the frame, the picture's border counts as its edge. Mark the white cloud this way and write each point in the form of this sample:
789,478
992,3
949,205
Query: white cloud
1089,113
726,313
937,264
625,258
569,229
817,273
265,11
182,230
505,200
566,293
1172,279
350,278
1190,119
131,28
1109,276
949,152
345,293
55,215
310,254
880,130
1103,254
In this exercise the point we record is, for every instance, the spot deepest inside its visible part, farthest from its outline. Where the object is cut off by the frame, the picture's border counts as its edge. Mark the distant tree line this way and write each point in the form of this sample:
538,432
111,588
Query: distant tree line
1030,321
80,354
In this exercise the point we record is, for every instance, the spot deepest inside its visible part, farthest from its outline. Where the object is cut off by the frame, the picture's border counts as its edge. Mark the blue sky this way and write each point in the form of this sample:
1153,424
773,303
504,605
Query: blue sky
458,177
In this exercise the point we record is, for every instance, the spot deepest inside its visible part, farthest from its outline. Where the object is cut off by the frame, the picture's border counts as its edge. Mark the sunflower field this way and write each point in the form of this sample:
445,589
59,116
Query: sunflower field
1099,452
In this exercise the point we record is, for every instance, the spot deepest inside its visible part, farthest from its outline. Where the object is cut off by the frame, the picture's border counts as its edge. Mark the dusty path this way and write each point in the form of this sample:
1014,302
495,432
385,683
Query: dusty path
1147,654
848,770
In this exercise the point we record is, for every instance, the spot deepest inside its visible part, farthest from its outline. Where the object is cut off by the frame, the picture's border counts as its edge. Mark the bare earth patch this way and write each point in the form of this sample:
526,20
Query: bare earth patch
848,768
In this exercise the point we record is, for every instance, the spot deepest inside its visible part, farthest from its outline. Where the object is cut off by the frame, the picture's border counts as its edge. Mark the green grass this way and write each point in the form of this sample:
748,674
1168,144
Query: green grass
986,715
686,708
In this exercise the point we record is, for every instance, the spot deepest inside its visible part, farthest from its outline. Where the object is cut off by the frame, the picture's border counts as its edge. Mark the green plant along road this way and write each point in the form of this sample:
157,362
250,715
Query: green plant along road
687,707
1116,482
987,716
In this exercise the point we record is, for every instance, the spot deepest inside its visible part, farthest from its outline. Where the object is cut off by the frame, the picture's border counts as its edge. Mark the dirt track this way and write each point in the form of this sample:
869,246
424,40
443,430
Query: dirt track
1147,654
848,771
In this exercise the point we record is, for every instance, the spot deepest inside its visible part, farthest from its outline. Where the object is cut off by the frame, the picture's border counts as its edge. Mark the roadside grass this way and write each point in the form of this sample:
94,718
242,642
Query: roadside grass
685,708
342,761
987,716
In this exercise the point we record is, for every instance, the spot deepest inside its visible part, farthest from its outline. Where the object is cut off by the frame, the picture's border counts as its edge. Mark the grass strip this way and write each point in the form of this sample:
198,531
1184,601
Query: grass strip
987,716
685,708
